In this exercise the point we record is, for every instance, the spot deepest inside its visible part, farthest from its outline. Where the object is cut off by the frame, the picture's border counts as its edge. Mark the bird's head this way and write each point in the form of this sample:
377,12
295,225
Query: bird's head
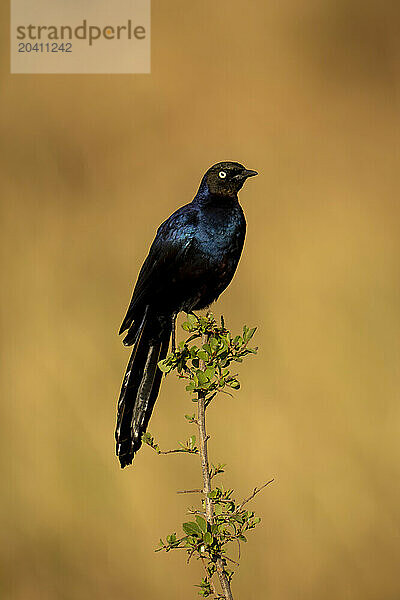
225,179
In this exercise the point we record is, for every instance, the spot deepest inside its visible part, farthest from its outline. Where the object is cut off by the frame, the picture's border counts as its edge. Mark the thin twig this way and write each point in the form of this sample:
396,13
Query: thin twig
231,560
254,493
207,575
177,450
190,555
189,492
203,450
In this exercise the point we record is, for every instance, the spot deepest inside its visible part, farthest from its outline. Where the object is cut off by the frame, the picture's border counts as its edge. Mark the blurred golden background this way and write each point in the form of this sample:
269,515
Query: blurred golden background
307,94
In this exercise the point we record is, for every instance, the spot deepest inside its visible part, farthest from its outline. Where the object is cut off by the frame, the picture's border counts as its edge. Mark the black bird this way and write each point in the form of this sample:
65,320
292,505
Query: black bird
191,261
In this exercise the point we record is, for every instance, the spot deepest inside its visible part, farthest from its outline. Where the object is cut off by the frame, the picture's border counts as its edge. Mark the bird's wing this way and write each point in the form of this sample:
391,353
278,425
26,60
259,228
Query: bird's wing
172,242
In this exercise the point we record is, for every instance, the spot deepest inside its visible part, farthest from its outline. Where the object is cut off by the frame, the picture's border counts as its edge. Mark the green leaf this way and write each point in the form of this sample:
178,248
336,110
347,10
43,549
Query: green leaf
191,528
165,368
201,377
234,384
208,539
202,355
250,333
192,319
218,508
210,372
202,523
213,343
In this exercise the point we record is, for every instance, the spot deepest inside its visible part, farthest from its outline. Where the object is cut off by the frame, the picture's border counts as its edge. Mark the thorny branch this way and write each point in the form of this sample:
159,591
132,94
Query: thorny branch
220,521
254,493
203,449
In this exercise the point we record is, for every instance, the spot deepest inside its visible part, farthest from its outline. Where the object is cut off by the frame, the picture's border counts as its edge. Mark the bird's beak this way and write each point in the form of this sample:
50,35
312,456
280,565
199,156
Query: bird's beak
247,173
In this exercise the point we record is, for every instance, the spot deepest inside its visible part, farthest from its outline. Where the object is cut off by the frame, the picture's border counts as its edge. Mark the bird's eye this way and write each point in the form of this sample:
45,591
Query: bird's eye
222,174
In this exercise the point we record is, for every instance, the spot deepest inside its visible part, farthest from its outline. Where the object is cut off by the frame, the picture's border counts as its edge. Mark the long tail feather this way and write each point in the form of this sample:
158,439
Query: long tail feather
140,389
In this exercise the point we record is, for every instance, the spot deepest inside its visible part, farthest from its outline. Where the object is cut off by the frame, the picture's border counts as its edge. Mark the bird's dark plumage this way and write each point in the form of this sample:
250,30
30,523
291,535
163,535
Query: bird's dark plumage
191,261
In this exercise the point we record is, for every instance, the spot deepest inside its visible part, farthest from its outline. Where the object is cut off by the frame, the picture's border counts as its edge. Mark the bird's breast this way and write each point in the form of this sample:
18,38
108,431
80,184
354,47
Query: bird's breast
221,234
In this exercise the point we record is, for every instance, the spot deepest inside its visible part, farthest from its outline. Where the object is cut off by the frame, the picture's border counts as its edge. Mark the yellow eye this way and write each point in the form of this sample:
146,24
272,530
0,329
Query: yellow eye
222,174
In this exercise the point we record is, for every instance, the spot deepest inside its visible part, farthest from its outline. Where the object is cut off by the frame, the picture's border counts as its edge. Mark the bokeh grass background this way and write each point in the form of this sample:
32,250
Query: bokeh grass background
307,94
